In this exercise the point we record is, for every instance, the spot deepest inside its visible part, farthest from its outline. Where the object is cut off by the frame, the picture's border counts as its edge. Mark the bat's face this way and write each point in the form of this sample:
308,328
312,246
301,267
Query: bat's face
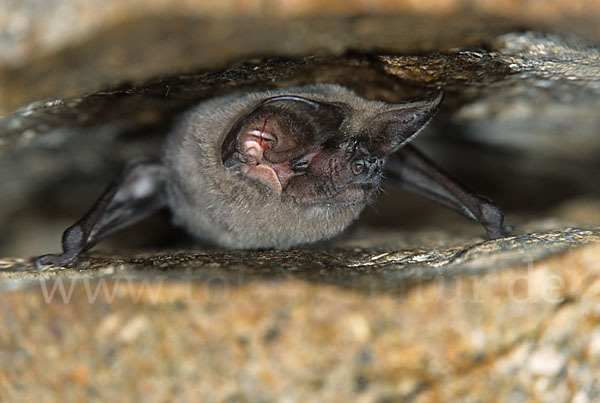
314,152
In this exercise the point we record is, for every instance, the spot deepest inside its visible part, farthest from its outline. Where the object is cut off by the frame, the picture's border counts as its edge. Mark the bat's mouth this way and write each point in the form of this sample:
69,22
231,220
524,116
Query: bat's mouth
276,176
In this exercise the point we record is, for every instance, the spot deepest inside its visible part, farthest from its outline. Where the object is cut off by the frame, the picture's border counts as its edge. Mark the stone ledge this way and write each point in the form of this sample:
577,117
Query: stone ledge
527,330
356,263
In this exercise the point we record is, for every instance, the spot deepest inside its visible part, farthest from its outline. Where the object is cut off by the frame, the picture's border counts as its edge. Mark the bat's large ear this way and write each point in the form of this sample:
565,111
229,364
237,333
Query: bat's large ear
291,125
401,123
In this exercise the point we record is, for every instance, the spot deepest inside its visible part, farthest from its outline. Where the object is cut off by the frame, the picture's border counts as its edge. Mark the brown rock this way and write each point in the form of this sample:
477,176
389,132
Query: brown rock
527,330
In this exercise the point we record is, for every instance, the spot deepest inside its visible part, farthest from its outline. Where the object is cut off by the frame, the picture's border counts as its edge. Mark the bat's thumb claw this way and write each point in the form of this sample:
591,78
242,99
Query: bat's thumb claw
492,218
63,260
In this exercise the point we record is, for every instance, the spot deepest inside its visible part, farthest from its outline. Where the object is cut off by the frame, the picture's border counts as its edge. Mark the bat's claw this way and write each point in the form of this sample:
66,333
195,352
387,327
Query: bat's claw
73,243
497,233
62,260
492,219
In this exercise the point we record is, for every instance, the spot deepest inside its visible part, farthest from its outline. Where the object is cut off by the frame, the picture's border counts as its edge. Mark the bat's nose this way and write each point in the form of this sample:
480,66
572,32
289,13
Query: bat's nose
366,169
374,166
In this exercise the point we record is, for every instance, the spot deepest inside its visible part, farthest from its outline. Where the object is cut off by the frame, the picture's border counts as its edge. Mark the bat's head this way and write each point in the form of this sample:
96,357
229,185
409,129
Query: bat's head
314,151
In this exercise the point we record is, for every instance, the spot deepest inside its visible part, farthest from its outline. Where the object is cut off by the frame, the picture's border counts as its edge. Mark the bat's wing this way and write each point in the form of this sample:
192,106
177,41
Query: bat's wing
413,171
138,191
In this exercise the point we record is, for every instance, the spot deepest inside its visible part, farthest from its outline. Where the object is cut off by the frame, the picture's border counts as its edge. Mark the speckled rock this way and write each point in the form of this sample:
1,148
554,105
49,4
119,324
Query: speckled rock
528,331
58,49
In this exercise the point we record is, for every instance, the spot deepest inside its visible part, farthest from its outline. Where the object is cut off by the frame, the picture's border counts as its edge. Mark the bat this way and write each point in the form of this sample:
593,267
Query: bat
277,169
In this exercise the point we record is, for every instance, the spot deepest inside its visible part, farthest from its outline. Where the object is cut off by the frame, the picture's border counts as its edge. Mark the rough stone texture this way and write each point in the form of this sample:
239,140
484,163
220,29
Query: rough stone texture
411,304
57,49
32,28
368,262
528,333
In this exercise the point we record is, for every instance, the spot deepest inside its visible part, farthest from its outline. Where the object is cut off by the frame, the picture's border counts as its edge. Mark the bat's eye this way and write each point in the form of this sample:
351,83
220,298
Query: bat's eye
358,167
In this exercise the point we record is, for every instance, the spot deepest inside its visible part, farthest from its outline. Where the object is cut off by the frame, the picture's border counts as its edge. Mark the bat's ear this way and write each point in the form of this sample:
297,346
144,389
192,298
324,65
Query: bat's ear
285,127
401,123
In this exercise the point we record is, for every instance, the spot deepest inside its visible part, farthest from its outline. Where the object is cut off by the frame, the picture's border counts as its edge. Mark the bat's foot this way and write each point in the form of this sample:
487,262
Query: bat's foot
501,232
67,260
492,219
73,243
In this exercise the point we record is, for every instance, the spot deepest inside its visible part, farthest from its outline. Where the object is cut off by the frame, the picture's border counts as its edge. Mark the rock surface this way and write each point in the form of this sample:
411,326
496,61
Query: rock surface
412,304
531,332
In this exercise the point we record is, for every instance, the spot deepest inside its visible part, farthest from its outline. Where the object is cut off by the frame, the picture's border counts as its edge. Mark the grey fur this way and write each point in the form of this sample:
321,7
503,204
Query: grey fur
221,205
